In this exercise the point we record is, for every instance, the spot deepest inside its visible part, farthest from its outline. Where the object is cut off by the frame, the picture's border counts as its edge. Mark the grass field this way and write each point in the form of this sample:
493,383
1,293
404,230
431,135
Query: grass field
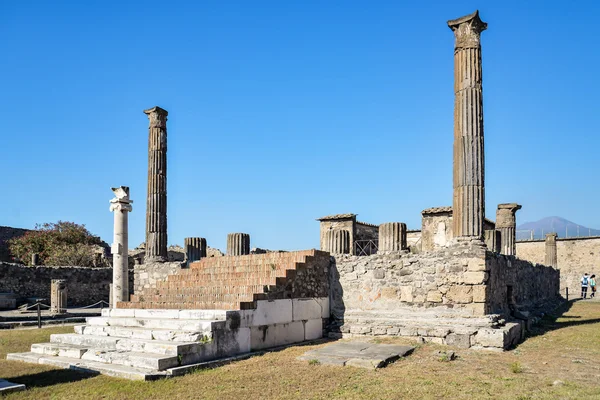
560,361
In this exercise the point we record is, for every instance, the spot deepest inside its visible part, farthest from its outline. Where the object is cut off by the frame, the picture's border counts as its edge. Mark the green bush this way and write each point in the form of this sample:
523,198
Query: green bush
62,243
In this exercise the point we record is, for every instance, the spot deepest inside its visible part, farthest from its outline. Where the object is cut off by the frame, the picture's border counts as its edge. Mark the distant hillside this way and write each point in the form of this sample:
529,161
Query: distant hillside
563,227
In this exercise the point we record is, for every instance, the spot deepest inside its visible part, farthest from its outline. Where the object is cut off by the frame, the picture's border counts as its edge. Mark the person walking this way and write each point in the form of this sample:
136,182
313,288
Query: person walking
593,286
585,281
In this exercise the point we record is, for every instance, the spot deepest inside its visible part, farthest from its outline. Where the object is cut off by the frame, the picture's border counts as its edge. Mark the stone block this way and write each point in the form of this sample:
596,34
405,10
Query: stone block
489,337
313,329
477,265
269,312
434,296
324,302
231,342
477,308
305,309
475,278
460,294
462,341
479,293
122,312
389,293
168,314
266,336
406,294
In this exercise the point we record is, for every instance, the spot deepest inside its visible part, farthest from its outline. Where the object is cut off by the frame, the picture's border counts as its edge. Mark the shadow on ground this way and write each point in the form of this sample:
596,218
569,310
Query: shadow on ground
52,377
550,322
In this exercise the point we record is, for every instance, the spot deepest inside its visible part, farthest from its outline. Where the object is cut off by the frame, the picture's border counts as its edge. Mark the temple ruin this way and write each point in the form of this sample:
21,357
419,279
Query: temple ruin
457,281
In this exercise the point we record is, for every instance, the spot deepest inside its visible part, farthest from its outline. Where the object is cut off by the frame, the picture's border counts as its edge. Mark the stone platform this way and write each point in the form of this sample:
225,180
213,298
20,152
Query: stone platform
357,354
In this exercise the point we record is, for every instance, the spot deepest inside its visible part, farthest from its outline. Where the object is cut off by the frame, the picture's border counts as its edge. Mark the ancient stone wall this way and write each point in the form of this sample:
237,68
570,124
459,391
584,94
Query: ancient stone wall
520,283
146,275
85,285
575,257
395,281
436,228
7,233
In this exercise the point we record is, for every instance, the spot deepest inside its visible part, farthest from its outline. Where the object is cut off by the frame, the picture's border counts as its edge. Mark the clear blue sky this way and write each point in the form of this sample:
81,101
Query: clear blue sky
281,112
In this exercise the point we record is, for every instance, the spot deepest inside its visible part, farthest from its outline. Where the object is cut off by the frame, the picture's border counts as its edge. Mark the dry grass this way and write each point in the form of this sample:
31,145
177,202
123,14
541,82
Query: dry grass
565,350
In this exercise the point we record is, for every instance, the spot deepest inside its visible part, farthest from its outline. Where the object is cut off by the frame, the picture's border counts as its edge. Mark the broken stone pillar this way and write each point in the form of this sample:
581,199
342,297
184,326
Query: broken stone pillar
392,236
35,259
469,195
238,244
58,296
338,241
551,255
492,240
120,205
195,249
506,224
156,207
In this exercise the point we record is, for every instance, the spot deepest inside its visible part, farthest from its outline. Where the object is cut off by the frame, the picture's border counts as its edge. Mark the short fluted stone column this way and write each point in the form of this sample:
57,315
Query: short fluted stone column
392,236
58,296
338,241
156,207
238,244
506,224
195,249
469,194
121,206
551,254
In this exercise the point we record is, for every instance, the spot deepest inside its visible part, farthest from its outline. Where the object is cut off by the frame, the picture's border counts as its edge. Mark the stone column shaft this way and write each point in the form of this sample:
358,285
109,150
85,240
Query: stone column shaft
121,206
506,223
238,244
58,296
195,249
338,241
156,207
392,237
469,194
551,253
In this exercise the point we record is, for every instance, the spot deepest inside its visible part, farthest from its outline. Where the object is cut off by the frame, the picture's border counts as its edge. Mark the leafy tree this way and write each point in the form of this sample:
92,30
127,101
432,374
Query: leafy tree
61,243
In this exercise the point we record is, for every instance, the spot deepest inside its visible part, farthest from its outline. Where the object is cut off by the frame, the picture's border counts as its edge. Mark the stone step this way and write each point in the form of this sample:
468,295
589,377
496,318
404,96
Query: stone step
212,315
210,282
158,362
188,325
58,349
127,344
143,333
201,297
183,305
116,370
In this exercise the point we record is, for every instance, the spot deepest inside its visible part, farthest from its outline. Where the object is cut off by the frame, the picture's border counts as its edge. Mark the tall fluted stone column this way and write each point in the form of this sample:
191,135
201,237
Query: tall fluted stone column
195,249
238,244
392,236
58,296
120,205
551,255
338,241
156,207
469,194
506,223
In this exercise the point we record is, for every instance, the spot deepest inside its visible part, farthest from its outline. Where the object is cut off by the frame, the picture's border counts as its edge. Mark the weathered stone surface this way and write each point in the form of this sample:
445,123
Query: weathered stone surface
506,223
357,354
392,236
195,249
58,296
238,244
469,193
120,206
458,340
156,205
460,294
551,253
338,241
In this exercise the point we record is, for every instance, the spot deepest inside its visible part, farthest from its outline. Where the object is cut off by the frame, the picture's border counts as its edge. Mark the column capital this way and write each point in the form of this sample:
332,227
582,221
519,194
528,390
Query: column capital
121,202
551,237
505,215
157,117
467,30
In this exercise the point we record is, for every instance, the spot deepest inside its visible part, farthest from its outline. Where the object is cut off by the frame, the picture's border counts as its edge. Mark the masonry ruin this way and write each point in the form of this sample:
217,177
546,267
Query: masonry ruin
456,282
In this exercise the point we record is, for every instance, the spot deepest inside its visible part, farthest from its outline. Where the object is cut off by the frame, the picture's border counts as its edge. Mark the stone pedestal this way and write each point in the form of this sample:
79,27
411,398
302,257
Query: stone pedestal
238,244
551,255
338,241
195,249
120,205
469,194
58,296
156,206
506,224
392,236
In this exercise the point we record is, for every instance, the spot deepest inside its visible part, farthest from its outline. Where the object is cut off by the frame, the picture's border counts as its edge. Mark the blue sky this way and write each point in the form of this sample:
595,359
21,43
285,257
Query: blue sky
281,112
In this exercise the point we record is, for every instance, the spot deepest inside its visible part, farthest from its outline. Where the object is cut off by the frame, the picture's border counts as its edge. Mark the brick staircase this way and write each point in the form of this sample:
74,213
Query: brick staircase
218,308
228,283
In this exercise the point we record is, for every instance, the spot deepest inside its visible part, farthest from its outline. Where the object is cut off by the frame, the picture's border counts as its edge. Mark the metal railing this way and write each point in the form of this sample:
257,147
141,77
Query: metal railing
365,247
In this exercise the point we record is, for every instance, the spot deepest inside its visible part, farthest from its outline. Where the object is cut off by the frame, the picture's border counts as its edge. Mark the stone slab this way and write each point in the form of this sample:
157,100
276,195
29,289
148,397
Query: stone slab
9,387
357,354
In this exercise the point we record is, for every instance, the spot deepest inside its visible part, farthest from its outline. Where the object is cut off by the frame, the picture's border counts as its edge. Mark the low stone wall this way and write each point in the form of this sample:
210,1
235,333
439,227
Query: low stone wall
520,284
84,285
575,256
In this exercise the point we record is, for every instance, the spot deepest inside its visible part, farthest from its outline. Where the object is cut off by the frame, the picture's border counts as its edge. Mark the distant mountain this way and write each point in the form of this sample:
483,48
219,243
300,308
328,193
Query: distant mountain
563,227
